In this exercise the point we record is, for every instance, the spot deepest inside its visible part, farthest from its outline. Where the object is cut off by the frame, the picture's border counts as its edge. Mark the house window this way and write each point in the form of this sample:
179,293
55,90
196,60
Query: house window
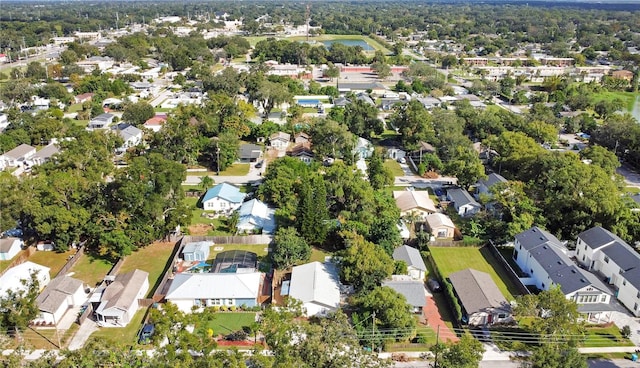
577,252
215,301
515,255
606,259
531,269
502,315
229,301
582,258
638,295
585,247
542,285
197,302
635,307
603,299
442,233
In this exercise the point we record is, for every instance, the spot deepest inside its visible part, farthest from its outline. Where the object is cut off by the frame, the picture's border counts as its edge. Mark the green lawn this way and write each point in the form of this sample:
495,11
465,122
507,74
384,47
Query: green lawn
394,167
219,226
330,37
4,265
628,98
450,260
227,322
91,269
318,255
253,40
75,107
47,338
153,258
604,336
55,261
121,335
233,170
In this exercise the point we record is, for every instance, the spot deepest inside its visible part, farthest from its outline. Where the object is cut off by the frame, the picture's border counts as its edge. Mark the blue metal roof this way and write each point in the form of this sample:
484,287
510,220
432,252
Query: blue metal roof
225,191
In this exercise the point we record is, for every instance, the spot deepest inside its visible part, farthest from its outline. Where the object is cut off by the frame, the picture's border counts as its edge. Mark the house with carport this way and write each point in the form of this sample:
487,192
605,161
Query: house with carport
118,302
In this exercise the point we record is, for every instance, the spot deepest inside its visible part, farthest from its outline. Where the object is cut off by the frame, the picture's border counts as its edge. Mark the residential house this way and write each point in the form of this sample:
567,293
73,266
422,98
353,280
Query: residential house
341,102
302,152
440,226
622,74
131,136
250,152
256,215
95,63
9,247
317,286
199,290
411,256
155,123
82,98
364,97
412,290
280,140
414,203
235,261
223,197
463,202
196,251
483,186
119,300
302,138
363,148
375,87
13,277
601,251
479,296
101,121
44,155
429,102
62,293
545,260
396,153
17,156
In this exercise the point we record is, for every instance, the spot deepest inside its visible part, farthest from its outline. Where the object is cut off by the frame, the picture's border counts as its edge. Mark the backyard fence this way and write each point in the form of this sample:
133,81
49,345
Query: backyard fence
451,298
512,273
237,239
71,261
160,291
21,258
87,312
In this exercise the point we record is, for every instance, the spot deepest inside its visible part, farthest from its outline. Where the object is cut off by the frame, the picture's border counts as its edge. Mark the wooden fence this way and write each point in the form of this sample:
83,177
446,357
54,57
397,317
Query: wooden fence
238,239
513,275
160,291
71,261
21,258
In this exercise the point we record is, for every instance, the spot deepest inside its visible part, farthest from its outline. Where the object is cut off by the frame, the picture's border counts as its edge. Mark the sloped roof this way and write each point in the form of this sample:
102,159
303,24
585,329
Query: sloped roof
536,236
412,290
156,120
56,293
129,132
461,197
256,214
19,151
250,151
436,220
7,243
124,290
225,191
202,246
411,256
623,255
493,179
598,236
12,277
215,286
406,200
47,152
477,291
316,282
280,135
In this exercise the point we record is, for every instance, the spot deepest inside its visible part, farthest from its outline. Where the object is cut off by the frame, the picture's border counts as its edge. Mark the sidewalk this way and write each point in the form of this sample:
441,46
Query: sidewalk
82,335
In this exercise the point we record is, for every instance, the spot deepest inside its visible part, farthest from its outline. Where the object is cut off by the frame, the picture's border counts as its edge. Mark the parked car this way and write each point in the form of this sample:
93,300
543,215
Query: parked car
402,160
146,333
259,164
434,285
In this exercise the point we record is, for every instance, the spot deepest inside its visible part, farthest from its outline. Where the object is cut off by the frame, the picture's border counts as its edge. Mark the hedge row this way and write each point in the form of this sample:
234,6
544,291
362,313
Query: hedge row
452,300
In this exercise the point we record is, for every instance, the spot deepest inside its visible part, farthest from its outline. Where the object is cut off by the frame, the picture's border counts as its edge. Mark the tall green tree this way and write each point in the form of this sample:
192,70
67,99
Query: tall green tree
137,113
364,264
379,175
18,307
391,312
289,248
466,353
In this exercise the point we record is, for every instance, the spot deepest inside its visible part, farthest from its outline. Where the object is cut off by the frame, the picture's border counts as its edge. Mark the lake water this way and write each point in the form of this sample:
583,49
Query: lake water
365,46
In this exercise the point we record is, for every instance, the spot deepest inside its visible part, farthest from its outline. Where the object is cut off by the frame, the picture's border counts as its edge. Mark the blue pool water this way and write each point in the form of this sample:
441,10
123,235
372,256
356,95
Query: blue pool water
365,46
311,103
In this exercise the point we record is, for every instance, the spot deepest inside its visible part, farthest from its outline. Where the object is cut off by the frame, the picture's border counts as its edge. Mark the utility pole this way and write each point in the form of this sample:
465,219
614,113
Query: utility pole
435,362
218,157
373,332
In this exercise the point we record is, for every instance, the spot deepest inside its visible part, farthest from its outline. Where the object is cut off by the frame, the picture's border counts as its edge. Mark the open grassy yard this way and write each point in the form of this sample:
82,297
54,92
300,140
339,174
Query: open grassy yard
628,98
233,170
91,269
226,322
121,335
75,107
450,260
54,260
597,336
394,167
331,37
45,338
318,255
153,258
218,226
4,265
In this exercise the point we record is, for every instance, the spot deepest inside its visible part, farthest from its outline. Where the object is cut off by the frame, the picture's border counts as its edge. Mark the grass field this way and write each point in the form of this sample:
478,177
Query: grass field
233,170
47,338
153,259
318,255
628,98
450,260
54,260
330,37
91,269
75,107
121,335
394,167
604,336
219,226
227,322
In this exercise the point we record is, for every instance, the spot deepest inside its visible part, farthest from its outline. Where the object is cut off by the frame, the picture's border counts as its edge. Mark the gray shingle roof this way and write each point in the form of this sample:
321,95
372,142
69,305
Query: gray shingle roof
622,254
412,290
461,197
493,179
411,256
633,277
56,293
536,236
477,291
597,236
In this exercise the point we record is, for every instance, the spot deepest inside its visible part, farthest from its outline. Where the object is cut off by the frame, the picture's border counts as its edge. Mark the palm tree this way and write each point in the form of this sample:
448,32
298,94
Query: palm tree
206,182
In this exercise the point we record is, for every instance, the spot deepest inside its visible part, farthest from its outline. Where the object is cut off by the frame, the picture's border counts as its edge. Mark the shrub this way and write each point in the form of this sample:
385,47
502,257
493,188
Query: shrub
233,308
236,336
625,331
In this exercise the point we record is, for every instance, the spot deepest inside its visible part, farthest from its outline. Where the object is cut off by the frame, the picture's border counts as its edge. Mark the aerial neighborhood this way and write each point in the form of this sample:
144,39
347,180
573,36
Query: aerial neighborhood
254,184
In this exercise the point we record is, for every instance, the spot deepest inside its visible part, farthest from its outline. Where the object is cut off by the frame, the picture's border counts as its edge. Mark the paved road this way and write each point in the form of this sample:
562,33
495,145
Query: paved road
631,177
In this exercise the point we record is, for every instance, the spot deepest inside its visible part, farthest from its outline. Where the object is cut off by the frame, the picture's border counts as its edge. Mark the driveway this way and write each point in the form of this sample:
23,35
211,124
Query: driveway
80,338
622,319
631,177
434,320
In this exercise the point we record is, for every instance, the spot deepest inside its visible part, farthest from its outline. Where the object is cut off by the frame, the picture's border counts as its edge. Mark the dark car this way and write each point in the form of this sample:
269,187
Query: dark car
259,164
434,285
146,333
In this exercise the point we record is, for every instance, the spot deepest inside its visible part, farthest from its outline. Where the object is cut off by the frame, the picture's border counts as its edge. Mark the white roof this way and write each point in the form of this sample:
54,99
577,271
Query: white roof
13,276
215,286
316,282
439,219
407,200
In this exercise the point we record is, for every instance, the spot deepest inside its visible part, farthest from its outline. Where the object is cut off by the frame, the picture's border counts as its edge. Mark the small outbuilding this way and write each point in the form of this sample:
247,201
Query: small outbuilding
196,251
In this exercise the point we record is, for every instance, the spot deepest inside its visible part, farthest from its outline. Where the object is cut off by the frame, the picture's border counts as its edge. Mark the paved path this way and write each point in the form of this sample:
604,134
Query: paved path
624,319
86,329
434,320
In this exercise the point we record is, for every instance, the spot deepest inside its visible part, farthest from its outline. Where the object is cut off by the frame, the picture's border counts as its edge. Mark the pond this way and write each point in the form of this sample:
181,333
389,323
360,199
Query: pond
350,42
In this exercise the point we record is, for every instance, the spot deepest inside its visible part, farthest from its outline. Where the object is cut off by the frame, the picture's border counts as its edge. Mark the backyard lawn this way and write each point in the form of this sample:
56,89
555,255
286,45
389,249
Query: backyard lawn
226,322
318,255
597,336
121,335
46,338
153,259
233,170
450,260
91,269
394,167
54,260
217,226
628,98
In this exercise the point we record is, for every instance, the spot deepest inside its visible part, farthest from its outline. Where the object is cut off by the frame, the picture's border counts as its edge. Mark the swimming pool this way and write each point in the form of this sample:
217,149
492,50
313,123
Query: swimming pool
350,42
